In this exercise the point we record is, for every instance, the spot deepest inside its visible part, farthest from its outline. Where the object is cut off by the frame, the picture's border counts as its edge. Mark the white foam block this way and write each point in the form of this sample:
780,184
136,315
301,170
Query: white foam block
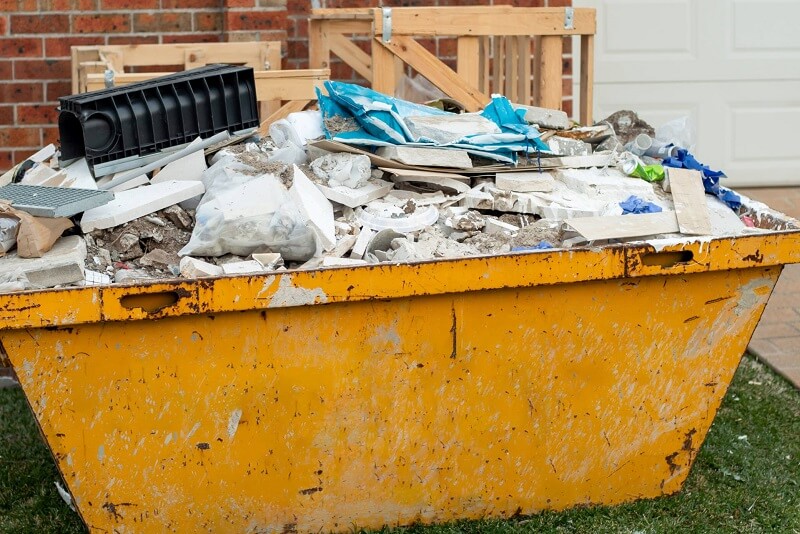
135,203
189,167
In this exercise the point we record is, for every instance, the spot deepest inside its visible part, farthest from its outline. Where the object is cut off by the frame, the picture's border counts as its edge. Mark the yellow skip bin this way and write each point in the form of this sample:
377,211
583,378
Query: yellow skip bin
390,394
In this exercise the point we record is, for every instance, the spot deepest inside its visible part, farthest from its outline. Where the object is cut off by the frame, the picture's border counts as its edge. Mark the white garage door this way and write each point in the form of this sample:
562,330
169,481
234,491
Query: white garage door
733,66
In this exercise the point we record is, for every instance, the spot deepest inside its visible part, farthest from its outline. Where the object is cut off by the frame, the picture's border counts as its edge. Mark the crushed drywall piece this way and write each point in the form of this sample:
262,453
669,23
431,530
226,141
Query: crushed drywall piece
242,267
431,179
688,196
269,260
195,268
352,198
496,226
450,128
342,169
544,117
327,261
135,203
38,175
525,182
316,207
189,167
360,246
62,264
564,146
427,157
623,226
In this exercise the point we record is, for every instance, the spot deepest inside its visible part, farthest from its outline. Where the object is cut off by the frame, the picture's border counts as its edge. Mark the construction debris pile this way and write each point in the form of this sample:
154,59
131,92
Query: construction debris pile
366,179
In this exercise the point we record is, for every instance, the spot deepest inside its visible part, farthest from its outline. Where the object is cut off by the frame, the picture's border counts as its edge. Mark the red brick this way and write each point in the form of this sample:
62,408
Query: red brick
3,25
5,70
129,4
272,3
298,7
18,5
192,38
6,115
566,87
566,106
19,137
68,5
6,160
240,3
56,90
21,92
47,69
162,22
111,23
186,4
37,114
559,3
255,20
25,153
133,39
60,46
39,24
208,22
300,26
50,135
448,48
566,65
20,47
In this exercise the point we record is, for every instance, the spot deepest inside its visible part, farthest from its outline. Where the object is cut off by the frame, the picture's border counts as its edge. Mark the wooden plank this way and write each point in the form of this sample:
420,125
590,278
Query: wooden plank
587,79
282,113
439,74
350,53
510,86
384,75
624,226
484,55
270,84
319,51
524,47
689,197
364,13
468,57
498,65
550,83
486,20
537,70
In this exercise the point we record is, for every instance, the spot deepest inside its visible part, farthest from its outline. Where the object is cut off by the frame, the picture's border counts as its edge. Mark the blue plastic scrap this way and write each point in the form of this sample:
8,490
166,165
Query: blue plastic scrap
638,205
541,245
684,160
378,120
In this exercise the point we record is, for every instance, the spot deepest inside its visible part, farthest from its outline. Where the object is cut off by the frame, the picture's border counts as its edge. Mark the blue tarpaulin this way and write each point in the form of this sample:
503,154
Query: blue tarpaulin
379,121
634,204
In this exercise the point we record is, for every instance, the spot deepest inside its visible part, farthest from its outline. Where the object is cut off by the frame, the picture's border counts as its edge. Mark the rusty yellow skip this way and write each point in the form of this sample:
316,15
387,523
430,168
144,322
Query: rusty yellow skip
389,394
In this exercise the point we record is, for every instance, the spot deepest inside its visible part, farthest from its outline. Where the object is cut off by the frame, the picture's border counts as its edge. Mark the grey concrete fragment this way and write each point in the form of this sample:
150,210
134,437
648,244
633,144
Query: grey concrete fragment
62,264
546,118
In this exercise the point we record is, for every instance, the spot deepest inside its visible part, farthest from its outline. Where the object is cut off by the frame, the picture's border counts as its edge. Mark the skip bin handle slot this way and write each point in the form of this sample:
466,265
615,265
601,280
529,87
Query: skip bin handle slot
666,260
149,302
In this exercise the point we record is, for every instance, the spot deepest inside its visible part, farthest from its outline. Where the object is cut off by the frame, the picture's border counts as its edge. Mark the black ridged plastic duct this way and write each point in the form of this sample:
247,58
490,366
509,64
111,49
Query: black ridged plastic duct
148,117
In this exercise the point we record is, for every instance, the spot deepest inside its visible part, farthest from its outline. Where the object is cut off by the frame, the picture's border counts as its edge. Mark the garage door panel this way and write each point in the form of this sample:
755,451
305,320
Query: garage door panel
627,38
764,27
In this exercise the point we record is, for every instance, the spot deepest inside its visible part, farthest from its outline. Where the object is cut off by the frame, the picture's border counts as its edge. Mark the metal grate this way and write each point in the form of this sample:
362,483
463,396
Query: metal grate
44,201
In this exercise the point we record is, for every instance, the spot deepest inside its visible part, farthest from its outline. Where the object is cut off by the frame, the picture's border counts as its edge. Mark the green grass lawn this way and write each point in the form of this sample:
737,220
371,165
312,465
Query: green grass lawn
746,477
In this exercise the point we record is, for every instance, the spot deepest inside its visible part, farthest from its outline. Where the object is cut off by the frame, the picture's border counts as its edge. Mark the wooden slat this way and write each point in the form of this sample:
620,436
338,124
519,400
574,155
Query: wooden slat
587,79
439,74
468,65
537,70
270,84
512,76
484,55
550,85
485,20
350,53
498,65
286,109
384,75
524,69
363,13
319,51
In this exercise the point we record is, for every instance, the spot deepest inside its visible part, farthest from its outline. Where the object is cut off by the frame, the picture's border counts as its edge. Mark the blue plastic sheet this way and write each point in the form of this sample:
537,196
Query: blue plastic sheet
634,204
541,245
685,160
379,121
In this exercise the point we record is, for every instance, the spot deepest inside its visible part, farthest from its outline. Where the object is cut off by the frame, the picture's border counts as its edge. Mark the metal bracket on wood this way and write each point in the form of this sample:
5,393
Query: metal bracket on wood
387,24
108,78
315,4
569,18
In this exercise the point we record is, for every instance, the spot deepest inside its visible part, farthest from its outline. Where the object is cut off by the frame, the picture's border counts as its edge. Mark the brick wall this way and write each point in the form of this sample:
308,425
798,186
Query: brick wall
36,35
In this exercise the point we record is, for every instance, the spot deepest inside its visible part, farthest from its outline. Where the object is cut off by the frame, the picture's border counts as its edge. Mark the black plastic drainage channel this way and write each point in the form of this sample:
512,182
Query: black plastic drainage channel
147,117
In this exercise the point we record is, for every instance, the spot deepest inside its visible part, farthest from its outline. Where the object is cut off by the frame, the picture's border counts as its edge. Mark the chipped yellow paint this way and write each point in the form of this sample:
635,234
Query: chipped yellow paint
389,394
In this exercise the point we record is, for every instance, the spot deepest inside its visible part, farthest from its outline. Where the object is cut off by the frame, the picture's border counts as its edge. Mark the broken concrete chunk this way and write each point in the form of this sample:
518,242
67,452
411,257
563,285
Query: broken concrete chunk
342,169
135,203
569,147
131,276
63,264
546,118
159,258
179,217
525,182
242,267
427,157
352,198
450,128
194,268
496,226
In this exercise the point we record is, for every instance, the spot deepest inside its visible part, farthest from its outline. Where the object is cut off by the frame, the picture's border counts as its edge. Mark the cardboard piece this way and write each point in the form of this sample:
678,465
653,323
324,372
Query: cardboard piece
689,198
36,235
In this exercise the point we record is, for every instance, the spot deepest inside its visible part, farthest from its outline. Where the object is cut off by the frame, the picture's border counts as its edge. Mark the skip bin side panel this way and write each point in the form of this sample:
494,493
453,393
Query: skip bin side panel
392,411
